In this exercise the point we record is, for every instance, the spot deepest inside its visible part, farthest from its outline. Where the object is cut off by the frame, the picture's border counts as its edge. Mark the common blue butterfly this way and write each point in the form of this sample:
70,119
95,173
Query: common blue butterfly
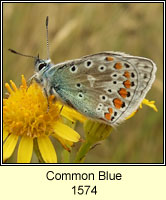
106,86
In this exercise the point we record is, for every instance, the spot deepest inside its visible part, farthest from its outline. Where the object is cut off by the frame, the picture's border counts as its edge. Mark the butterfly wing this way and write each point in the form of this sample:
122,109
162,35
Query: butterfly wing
107,86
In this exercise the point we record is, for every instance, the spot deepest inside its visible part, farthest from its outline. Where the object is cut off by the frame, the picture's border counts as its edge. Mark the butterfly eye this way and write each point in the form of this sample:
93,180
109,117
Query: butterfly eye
41,66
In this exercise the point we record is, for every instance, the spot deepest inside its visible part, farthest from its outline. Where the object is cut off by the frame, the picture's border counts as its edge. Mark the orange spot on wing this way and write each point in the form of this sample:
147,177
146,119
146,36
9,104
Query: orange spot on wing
109,58
127,84
127,74
118,66
123,92
110,110
108,115
118,103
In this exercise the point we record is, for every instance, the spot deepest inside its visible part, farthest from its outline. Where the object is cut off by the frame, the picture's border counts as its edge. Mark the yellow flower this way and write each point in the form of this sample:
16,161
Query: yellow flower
26,115
150,104
146,102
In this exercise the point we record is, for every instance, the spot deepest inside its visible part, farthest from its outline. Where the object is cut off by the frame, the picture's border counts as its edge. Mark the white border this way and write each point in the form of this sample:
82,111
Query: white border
96,164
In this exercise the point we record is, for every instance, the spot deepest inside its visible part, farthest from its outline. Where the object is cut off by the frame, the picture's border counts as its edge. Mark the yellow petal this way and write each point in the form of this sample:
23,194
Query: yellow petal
72,115
132,114
9,146
5,134
13,85
25,150
150,104
65,143
8,88
66,132
47,149
24,83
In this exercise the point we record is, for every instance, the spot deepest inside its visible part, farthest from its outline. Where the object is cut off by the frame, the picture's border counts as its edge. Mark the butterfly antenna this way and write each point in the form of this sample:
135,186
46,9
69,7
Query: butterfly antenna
13,51
48,52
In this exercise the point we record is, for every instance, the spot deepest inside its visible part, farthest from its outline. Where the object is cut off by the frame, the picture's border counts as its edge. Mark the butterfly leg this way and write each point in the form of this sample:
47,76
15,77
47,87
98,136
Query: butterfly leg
44,89
45,92
61,109
31,79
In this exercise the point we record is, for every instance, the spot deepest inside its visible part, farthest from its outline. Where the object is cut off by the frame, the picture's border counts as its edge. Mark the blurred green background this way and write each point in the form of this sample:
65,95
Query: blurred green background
78,29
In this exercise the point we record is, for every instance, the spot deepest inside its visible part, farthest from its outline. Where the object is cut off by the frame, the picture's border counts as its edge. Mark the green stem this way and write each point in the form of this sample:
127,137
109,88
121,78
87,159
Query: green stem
84,149
65,156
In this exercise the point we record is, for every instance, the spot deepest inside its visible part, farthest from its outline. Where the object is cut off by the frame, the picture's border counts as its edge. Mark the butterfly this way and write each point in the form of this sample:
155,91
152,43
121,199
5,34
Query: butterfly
106,86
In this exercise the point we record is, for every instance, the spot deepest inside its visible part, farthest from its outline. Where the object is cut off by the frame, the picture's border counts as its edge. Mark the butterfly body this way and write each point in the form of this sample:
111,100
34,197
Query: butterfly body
106,86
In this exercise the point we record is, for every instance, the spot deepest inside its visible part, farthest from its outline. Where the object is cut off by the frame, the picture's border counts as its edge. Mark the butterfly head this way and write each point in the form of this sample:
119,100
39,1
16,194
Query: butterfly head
41,64
41,67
